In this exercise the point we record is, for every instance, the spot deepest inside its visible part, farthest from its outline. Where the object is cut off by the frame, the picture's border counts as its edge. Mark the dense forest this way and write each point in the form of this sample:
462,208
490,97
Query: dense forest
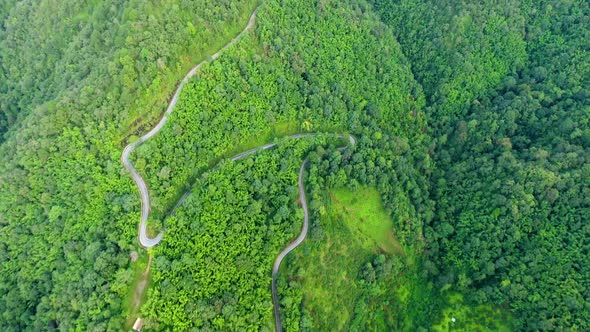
469,180
68,212
508,104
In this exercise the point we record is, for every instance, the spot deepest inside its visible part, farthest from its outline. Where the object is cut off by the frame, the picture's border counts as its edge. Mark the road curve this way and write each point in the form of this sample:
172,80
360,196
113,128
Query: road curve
147,242
291,246
242,155
144,240
246,153
288,249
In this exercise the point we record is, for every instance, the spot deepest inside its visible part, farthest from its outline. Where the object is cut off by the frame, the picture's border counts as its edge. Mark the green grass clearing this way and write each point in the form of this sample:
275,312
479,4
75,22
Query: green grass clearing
363,214
356,229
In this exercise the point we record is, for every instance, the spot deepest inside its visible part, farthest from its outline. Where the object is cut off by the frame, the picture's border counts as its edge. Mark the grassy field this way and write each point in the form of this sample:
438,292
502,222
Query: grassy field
356,230
362,213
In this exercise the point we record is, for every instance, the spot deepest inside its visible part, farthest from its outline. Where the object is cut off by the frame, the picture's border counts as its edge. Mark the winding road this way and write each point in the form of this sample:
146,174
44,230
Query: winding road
144,240
147,242
291,246
267,146
288,249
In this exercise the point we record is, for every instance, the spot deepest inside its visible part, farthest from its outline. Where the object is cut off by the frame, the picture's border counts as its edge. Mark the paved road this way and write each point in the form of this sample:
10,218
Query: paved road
242,155
291,246
148,242
143,238
288,249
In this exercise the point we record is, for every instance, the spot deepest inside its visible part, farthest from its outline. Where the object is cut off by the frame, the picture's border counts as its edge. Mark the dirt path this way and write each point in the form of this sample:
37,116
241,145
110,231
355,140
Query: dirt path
139,290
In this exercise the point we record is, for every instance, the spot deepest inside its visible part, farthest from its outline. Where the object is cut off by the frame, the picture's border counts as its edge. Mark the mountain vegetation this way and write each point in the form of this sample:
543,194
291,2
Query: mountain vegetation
77,77
512,171
465,195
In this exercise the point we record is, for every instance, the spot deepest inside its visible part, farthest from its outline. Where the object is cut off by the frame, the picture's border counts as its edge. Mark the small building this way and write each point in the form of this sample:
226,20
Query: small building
137,325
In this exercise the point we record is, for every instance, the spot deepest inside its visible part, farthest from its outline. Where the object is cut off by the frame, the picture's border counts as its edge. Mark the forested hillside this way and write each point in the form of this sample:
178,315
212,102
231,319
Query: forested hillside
508,88
463,205
130,54
457,49
75,76
280,79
